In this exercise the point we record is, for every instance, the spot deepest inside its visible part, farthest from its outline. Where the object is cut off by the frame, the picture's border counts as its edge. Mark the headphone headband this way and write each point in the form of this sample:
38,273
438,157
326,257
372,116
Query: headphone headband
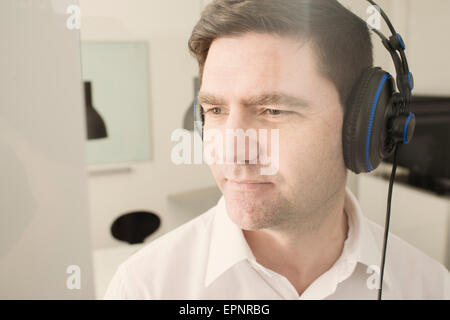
396,47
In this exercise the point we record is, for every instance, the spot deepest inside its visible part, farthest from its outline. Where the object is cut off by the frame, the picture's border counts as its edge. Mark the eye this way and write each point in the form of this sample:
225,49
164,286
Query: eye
274,112
214,111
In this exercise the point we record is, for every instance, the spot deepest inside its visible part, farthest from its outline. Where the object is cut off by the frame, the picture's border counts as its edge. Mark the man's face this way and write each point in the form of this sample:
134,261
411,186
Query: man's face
311,167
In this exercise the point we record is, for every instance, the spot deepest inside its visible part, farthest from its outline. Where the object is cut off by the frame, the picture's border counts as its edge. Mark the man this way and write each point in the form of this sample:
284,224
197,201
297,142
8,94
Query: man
286,65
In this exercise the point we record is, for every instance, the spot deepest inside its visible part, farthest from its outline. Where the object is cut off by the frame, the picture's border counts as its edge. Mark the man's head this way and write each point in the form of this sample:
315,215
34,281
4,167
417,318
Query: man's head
310,51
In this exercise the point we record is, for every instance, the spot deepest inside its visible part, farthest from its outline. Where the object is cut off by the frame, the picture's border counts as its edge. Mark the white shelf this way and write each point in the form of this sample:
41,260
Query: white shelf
421,218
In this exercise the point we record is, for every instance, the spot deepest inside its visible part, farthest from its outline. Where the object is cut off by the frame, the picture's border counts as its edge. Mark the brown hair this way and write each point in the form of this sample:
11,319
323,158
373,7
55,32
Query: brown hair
341,39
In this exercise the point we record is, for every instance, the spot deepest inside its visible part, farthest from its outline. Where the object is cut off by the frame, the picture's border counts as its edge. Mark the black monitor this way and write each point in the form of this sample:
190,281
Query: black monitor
427,156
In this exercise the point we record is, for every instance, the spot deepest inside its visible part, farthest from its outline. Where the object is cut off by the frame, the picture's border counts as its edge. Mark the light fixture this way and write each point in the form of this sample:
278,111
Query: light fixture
96,128
188,122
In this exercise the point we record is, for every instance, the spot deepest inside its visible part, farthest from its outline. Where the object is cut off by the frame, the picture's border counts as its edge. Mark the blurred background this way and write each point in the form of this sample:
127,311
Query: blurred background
90,94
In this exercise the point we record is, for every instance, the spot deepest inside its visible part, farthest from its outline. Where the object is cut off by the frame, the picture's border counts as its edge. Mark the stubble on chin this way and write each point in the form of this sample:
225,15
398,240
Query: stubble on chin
253,214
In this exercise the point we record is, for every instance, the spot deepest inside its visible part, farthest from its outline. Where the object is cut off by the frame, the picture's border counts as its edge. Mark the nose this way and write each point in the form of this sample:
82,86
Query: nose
241,138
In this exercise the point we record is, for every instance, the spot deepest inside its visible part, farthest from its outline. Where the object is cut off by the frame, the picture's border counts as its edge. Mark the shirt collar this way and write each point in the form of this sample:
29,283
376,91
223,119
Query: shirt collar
228,245
368,249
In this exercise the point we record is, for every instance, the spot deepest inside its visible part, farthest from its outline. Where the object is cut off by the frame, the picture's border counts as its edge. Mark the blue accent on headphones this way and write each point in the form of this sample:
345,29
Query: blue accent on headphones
401,42
372,115
406,128
411,86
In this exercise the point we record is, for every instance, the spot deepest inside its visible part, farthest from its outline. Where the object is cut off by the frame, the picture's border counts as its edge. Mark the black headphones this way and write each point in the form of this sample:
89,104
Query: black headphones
377,117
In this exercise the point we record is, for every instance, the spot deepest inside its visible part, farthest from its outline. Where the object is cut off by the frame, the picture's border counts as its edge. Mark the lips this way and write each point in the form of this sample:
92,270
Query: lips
247,185
247,181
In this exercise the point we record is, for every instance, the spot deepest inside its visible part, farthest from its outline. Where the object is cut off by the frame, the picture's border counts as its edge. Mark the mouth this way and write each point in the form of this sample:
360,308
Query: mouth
248,185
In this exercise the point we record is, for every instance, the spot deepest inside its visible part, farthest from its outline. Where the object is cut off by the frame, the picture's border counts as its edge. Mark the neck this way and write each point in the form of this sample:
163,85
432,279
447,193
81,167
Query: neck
303,254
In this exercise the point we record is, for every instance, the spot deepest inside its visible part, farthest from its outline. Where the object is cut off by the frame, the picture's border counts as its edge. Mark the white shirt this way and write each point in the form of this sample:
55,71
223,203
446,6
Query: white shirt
209,258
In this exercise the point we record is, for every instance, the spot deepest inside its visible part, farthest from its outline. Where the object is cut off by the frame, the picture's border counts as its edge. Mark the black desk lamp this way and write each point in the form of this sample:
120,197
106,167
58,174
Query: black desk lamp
96,128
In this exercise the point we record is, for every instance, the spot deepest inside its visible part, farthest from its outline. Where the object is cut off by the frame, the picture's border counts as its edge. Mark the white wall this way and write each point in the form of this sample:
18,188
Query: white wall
166,25
44,221
429,45
421,218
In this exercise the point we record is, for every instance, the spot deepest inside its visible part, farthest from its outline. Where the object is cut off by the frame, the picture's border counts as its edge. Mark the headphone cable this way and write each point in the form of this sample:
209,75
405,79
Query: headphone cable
388,217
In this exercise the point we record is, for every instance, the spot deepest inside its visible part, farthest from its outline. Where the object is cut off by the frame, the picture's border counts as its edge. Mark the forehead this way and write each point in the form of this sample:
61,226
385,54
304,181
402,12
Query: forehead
257,62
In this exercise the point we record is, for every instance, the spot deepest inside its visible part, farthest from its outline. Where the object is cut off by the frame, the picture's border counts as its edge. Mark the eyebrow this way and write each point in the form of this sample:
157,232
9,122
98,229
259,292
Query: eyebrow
258,100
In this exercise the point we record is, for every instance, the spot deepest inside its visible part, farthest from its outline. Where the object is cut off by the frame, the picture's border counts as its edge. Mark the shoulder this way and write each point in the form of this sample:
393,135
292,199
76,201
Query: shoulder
418,275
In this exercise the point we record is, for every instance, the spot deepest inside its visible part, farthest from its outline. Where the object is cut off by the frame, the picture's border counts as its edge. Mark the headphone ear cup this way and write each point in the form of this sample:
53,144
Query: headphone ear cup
364,129
199,118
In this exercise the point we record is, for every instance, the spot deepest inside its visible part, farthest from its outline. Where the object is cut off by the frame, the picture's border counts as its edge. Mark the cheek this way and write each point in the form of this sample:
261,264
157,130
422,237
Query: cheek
312,148
297,148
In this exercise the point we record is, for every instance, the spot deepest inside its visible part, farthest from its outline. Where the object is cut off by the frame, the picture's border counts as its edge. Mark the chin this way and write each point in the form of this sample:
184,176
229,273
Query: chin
249,214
